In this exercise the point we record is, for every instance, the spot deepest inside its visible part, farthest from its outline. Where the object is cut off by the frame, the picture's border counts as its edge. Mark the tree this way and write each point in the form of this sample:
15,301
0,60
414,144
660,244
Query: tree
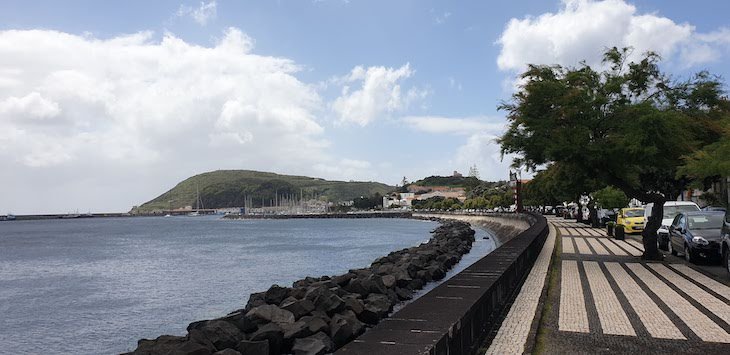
610,197
711,164
628,125
473,171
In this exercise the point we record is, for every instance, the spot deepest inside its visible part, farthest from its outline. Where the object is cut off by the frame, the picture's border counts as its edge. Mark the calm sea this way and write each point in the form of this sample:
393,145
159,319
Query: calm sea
95,286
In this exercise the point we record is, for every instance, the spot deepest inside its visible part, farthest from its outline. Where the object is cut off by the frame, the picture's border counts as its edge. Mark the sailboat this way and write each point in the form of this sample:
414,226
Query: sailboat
198,203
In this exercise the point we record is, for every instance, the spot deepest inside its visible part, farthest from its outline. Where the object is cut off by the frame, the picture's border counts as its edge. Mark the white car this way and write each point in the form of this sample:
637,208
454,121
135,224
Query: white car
671,209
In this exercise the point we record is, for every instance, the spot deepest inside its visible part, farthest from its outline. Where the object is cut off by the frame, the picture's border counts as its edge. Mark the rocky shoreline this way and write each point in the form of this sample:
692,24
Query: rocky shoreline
320,315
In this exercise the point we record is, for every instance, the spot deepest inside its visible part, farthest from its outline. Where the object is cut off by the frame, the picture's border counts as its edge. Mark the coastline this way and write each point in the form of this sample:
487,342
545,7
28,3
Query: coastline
321,315
325,312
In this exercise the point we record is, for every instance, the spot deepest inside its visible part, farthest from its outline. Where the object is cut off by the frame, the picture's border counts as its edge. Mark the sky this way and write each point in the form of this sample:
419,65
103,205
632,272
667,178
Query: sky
107,104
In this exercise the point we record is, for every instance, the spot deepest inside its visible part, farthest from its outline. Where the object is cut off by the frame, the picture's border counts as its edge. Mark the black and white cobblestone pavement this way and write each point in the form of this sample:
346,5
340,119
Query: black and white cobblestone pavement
604,299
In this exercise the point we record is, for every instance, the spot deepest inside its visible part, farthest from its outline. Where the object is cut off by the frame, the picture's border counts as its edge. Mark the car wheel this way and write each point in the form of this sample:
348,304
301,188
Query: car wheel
688,254
727,261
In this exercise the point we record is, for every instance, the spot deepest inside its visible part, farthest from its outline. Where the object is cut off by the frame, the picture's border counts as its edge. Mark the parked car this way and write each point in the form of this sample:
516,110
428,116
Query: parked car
671,209
726,241
696,235
629,220
605,216
714,208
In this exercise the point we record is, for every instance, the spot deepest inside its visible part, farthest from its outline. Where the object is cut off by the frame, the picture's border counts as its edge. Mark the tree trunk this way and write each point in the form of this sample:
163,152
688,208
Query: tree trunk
649,235
593,213
579,215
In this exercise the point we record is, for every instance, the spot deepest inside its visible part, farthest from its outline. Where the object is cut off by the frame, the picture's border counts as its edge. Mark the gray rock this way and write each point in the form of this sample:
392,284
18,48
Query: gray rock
227,352
403,293
255,300
275,294
168,344
388,281
259,347
298,329
298,308
345,327
221,334
354,304
270,313
273,334
329,303
342,280
359,286
316,324
309,346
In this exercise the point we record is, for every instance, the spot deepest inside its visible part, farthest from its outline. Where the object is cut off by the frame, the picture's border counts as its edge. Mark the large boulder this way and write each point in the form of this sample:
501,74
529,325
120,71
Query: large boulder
227,352
275,294
297,307
345,327
220,333
359,286
249,347
329,303
269,313
388,281
168,344
316,324
316,344
255,300
273,334
344,279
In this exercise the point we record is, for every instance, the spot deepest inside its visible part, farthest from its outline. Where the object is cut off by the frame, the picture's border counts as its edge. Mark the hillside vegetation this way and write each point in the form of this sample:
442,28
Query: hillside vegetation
453,181
229,188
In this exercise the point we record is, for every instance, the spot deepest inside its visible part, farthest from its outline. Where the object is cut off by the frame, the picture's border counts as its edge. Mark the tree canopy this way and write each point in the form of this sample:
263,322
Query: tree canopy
628,125
610,197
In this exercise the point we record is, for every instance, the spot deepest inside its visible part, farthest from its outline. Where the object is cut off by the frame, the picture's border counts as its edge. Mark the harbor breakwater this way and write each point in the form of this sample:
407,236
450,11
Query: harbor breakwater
320,315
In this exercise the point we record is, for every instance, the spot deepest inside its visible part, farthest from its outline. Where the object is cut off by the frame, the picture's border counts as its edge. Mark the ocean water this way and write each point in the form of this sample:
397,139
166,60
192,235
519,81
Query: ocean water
96,286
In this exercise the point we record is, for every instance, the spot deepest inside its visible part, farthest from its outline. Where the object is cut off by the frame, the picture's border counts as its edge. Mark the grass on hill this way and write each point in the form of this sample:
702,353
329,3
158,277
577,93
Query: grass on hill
229,188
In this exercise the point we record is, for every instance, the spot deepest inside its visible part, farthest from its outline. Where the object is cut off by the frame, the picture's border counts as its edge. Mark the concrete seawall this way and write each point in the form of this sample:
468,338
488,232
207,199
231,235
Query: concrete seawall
503,226
324,215
457,316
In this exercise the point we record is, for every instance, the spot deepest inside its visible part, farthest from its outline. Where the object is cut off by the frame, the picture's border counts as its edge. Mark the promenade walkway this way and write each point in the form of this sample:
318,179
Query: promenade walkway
589,293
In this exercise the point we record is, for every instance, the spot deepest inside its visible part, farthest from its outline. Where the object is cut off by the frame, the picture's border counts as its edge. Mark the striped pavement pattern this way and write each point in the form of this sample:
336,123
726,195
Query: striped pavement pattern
593,241
650,290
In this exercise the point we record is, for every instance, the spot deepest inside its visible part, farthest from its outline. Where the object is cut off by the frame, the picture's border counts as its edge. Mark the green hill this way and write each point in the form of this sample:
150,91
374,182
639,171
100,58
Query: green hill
454,181
229,188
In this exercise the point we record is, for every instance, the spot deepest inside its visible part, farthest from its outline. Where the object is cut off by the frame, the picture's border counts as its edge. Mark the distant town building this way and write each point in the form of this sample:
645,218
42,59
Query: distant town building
399,199
457,174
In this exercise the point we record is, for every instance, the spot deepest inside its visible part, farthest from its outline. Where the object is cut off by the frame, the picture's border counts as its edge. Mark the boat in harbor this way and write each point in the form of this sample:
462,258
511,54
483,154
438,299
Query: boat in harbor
198,203
10,217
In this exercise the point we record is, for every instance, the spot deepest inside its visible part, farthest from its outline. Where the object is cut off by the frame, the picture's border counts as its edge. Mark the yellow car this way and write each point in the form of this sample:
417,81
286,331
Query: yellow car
631,220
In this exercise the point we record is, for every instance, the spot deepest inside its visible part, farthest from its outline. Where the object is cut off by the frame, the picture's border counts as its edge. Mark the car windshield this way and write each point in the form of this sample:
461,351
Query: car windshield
634,213
671,211
705,222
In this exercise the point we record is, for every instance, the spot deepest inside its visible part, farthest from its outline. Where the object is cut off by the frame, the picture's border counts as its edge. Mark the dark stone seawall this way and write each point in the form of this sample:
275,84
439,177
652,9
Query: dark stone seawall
321,315
457,316
324,215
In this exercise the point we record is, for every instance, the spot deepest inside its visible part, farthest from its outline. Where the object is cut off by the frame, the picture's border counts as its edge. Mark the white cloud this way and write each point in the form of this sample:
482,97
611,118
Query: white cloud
480,149
583,29
466,126
31,106
135,114
345,169
441,19
202,14
379,94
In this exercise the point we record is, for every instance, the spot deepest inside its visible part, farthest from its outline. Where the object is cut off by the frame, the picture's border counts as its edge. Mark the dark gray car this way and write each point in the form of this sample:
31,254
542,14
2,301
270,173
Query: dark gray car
697,235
